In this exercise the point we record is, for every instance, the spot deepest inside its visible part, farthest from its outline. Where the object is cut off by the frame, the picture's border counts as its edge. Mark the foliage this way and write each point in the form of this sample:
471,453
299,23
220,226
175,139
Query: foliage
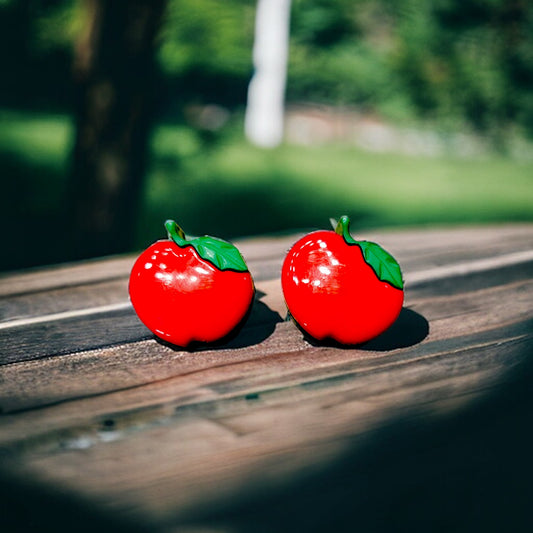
470,59
207,34
205,51
458,62
36,48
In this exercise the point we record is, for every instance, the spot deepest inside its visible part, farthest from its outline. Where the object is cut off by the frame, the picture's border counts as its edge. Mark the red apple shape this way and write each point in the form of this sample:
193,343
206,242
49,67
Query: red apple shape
341,289
190,290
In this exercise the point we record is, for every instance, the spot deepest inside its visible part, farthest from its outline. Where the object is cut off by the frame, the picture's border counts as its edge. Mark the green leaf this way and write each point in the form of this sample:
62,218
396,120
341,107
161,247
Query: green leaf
384,265
222,254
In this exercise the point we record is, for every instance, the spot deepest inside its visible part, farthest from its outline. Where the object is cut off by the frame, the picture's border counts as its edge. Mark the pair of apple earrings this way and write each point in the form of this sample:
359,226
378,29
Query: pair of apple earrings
188,290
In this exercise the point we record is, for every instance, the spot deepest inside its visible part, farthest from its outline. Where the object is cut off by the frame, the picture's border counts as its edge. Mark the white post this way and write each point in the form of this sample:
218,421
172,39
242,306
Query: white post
264,118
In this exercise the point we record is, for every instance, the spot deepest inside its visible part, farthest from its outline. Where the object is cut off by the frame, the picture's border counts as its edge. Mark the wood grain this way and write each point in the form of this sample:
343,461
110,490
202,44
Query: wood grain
118,426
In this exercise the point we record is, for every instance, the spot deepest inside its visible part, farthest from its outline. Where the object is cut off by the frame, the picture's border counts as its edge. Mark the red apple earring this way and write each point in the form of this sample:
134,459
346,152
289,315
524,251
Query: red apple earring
338,288
188,290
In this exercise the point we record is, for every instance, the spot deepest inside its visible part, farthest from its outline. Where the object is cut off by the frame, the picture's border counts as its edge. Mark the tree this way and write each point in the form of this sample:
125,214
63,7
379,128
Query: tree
114,74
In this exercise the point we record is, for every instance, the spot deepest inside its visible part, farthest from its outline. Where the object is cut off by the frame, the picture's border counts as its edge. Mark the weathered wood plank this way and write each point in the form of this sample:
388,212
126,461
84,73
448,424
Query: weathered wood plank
111,296
264,255
162,438
86,317
85,329
312,369
509,304
178,377
259,253
207,452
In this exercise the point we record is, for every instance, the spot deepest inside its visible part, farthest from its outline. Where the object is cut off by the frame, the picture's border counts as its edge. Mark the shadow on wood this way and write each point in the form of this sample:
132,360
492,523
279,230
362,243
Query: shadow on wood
29,506
464,472
409,329
256,326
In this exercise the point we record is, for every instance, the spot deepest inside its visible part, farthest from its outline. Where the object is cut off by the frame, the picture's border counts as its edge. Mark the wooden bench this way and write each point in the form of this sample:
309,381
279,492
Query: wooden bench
425,428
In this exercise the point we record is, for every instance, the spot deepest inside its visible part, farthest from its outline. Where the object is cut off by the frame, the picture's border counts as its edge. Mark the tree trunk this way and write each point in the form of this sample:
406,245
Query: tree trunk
114,73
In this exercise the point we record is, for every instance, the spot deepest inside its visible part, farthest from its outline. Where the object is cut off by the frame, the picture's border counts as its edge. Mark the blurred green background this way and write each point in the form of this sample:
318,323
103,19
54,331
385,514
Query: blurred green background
399,112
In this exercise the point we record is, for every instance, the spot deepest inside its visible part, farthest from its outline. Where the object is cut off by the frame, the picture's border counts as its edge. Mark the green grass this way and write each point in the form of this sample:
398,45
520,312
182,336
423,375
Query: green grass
39,139
236,189
226,187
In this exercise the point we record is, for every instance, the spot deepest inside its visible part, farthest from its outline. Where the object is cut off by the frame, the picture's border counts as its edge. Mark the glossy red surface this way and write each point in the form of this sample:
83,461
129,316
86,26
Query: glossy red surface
331,292
183,298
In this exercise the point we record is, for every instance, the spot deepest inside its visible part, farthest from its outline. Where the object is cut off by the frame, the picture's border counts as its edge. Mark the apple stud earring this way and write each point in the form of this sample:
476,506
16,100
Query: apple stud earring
191,289
341,289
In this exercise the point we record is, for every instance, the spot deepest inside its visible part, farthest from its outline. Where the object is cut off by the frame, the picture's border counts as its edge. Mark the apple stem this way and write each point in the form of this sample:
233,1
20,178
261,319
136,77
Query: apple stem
175,233
343,229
